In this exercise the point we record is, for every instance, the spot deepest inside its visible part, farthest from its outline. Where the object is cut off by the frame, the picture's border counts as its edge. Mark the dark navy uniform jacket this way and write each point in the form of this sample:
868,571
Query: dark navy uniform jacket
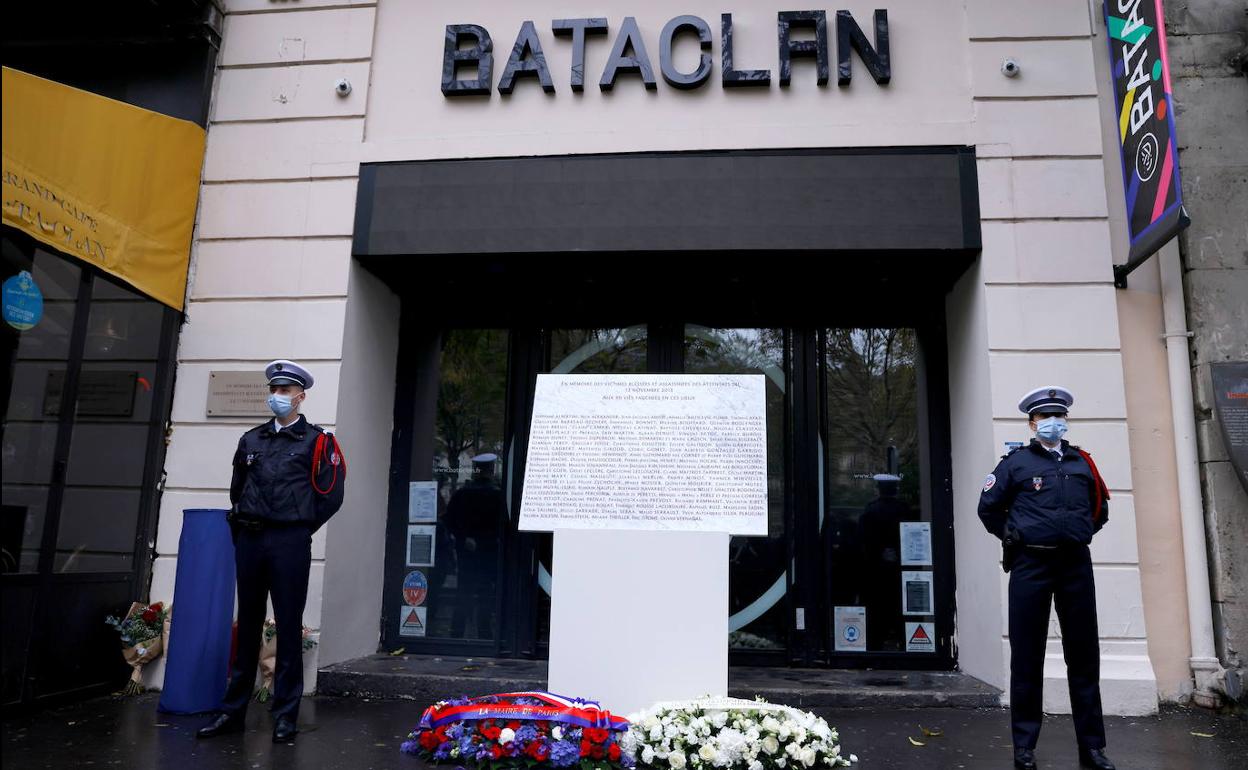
1038,500
273,476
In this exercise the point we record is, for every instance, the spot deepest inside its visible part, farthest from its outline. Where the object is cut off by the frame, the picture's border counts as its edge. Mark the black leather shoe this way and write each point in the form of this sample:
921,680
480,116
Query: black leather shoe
1025,759
284,731
222,725
1095,758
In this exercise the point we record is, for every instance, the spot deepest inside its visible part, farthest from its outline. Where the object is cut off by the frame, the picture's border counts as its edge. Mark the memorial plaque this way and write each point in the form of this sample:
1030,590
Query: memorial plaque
647,452
238,394
1230,400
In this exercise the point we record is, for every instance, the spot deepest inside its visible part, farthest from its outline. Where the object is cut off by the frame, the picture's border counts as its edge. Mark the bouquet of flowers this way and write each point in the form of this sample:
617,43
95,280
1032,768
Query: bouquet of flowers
520,730
142,633
732,734
268,656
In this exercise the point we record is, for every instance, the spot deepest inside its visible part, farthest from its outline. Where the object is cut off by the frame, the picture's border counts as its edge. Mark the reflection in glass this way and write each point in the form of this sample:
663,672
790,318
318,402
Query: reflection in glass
112,424
757,568
874,474
34,358
469,419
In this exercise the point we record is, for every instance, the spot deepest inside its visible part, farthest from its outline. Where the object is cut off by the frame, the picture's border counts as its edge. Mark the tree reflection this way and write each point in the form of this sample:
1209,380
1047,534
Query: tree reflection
471,394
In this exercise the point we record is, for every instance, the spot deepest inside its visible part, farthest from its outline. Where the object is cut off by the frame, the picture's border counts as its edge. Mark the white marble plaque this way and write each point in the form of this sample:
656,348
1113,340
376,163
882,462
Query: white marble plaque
682,452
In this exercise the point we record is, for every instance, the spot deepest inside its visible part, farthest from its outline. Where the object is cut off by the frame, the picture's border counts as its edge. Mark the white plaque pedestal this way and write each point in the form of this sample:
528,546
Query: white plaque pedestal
639,616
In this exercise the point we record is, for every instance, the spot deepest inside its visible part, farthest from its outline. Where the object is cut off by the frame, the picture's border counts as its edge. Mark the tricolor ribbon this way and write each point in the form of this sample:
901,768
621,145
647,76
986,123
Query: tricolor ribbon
573,711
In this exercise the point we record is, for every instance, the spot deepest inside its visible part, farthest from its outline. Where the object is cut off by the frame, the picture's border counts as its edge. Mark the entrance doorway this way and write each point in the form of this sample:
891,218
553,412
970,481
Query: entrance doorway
824,269
857,463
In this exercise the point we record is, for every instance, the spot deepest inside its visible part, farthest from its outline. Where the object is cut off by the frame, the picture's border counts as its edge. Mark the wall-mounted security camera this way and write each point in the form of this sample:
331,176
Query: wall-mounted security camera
1011,68
342,87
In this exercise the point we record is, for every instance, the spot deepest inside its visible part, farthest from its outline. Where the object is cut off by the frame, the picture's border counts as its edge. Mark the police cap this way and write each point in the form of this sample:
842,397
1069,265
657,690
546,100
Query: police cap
1050,399
283,372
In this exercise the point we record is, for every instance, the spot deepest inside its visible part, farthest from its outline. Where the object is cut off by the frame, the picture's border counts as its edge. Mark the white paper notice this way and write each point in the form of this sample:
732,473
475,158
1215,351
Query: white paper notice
916,593
916,543
650,451
421,540
851,629
920,637
422,502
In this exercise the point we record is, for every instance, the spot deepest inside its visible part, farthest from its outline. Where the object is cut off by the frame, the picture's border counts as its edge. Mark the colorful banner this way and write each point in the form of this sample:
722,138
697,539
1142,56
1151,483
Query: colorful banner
1145,112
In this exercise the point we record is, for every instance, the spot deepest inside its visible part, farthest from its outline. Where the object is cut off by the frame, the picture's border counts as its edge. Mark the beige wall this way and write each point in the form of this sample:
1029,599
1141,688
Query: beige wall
272,249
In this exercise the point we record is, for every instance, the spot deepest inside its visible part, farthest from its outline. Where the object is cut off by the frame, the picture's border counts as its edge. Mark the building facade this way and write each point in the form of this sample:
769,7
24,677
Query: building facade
902,234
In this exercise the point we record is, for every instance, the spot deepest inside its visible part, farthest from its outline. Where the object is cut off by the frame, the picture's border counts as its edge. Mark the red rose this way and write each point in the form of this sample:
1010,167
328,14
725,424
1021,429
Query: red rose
596,734
428,741
148,616
613,752
542,753
513,725
158,606
496,752
491,732
586,747
597,752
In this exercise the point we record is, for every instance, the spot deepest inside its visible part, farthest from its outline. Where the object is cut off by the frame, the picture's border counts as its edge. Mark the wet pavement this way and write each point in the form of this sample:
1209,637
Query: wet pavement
358,733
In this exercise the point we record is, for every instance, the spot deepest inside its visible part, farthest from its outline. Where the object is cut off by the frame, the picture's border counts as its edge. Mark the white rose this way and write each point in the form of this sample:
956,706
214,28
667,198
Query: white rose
557,733
506,736
707,752
770,724
719,719
755,765
781,762
650,722
770,744
809,757
793,750
656,733
784,732
676,760
647,755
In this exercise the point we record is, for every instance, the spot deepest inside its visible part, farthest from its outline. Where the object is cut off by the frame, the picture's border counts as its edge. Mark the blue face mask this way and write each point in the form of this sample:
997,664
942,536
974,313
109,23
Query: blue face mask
1051,429
280,404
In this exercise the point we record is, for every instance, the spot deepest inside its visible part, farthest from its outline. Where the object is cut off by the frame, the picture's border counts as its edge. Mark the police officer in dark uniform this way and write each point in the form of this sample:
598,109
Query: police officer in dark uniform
1045,501
289,478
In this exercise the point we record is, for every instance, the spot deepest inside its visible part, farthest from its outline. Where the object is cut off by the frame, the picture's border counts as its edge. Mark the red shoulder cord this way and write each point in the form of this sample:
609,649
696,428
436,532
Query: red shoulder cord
1102,490
327,448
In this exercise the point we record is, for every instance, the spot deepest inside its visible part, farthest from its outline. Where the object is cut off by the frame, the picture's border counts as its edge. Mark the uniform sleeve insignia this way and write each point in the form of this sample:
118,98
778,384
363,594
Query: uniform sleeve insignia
990,482
1037,482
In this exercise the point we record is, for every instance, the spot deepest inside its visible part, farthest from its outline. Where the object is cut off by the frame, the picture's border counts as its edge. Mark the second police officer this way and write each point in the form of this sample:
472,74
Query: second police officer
289,478
1045,501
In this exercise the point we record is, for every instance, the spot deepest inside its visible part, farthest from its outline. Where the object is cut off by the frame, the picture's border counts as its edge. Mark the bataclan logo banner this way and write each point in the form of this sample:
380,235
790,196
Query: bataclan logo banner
468,59
1150,156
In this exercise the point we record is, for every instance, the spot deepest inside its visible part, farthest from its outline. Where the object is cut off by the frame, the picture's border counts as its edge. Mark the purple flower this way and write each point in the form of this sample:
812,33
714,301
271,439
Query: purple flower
465,746
410,747
456,730
526,734
627,760
565,753
443,751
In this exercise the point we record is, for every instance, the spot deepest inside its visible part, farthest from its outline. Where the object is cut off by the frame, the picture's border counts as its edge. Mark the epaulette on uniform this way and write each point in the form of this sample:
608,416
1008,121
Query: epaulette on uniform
1012,451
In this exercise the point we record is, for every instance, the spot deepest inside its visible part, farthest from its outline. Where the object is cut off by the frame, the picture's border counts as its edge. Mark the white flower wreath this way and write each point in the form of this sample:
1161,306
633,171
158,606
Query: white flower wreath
731,734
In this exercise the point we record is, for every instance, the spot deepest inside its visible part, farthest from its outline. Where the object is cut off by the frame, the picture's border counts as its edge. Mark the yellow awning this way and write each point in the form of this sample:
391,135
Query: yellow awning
104,181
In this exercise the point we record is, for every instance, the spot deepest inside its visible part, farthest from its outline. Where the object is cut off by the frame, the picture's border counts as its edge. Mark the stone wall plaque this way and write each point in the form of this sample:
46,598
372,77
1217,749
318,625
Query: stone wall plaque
238,394
1230,401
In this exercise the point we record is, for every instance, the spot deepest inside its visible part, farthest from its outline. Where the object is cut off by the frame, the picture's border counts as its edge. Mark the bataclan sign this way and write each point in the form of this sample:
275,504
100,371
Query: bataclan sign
469,51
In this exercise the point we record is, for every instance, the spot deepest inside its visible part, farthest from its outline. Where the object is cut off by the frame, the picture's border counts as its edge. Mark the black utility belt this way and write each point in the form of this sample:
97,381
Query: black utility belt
257,524
1062,548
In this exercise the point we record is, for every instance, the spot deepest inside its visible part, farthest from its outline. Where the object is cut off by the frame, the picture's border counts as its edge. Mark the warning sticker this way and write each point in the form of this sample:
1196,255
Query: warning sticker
921,637
412,621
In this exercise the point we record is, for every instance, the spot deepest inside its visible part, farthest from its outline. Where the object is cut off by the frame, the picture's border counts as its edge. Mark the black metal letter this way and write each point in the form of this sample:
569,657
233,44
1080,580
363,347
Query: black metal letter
673,76
478,56
849,35
578,29
526,59
790,49
730,77
628,41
